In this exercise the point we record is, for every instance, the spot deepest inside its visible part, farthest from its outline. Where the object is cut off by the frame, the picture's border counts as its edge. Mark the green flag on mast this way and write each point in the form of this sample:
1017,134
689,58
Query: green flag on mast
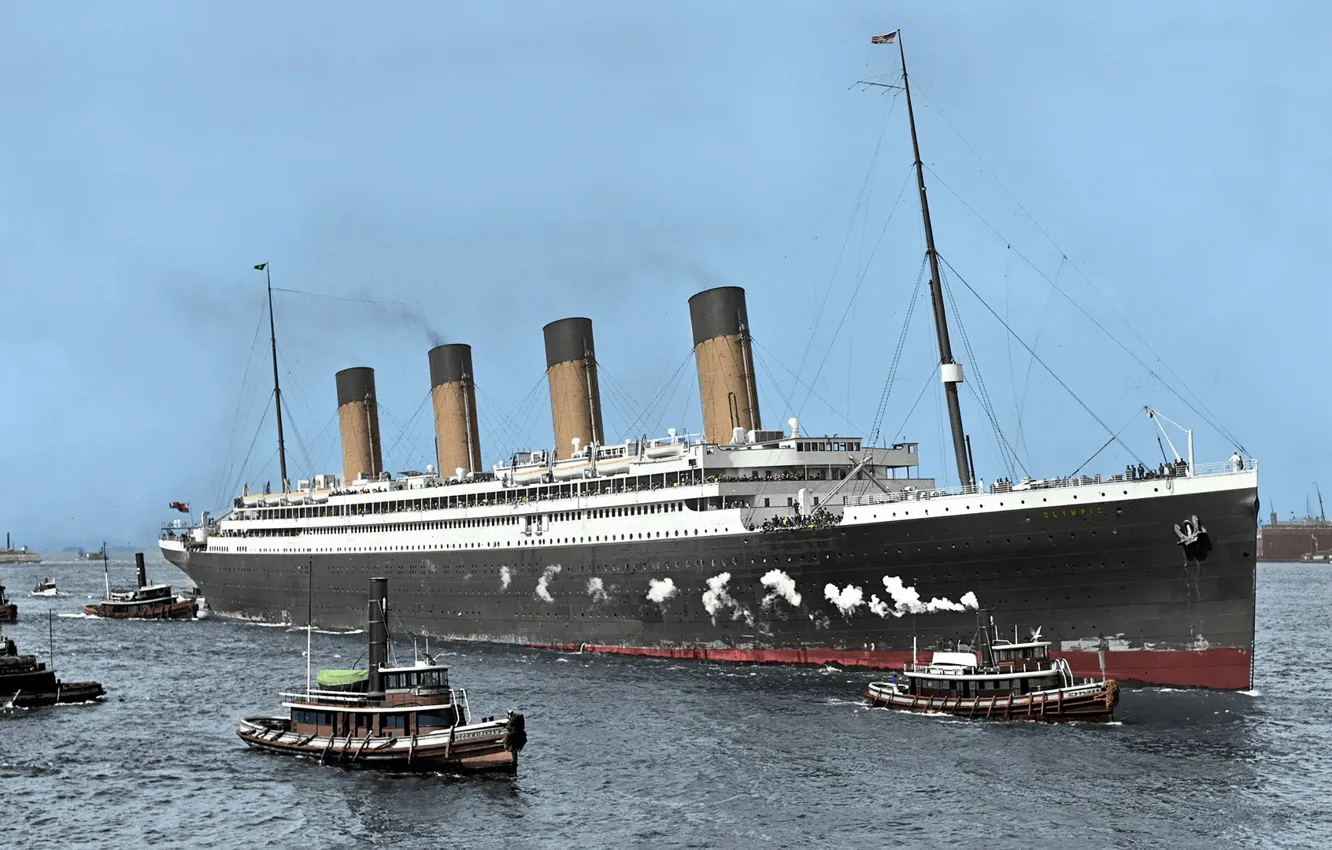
261,267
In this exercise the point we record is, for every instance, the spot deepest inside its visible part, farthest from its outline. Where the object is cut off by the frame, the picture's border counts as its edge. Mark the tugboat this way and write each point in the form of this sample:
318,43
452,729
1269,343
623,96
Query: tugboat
8,610
25,682
388,717
45,587
1016,681
145,602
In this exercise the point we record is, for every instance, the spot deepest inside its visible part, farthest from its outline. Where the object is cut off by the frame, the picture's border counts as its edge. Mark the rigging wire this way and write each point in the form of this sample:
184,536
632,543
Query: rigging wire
851,226
1203,413
659,399
1036,357
402,434
1035,343
249,451
320,438
770,375
928,383
621,401
300,442
979,389
843,414
1002,443
241,397
519,422
860,280
882,409
1065,259
495,413
1132,419
684,412
352,298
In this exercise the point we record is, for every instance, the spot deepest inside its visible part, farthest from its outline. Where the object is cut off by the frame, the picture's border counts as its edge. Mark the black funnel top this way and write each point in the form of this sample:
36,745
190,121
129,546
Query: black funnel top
568,339
355,384
718,312
449,363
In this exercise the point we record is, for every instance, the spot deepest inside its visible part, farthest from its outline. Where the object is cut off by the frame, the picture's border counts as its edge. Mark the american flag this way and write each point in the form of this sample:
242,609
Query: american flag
887,38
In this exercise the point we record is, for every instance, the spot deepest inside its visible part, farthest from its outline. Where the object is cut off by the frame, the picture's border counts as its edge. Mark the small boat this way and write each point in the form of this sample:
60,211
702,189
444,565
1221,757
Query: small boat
1015,681
45,587
8,610
145,602
26,682
404,718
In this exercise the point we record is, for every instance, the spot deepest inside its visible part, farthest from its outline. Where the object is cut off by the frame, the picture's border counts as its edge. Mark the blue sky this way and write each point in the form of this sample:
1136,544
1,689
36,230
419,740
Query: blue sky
478,170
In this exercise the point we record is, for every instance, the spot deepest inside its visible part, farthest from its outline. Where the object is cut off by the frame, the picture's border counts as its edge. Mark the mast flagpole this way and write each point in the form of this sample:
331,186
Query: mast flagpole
950,369
277,389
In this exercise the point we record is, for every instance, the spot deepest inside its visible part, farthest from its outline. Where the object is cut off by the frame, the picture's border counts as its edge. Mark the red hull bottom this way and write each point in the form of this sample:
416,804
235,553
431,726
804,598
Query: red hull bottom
1222,669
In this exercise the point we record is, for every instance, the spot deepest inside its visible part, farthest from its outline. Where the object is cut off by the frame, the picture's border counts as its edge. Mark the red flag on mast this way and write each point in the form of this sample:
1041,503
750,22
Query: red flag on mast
183,507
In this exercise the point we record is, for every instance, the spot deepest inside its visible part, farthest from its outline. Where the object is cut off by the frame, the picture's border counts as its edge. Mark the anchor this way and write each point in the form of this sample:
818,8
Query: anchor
1194,540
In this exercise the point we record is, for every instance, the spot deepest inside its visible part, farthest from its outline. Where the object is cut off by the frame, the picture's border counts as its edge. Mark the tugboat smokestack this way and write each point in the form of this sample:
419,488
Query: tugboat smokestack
575,399
377,618
143,571
358,416
458,442
725,359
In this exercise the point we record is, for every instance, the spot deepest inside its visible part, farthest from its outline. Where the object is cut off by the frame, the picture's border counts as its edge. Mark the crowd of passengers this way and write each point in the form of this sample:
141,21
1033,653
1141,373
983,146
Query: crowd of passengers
766,475
819,519
1178,469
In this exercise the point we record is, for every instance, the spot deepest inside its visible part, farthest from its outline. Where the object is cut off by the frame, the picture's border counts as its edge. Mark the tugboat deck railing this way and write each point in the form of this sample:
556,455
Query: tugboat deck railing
423,698
315,695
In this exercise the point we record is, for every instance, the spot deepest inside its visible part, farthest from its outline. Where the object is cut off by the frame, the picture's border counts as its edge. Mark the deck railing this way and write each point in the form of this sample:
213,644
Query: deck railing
299,693
1224,467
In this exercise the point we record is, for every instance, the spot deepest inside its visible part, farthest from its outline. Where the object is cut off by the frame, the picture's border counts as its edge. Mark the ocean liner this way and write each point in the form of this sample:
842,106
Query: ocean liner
742,543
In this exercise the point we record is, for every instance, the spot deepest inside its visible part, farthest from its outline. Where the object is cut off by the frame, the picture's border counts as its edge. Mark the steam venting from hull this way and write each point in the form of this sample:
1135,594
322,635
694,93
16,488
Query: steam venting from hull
906,600
717,599
506,577
847,600
596,588
780,586
453,394
543,583
358,418
659,590
725,359
575,398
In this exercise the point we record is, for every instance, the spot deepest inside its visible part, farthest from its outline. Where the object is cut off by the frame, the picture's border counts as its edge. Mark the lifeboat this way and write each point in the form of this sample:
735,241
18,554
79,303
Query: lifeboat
577,468
529,475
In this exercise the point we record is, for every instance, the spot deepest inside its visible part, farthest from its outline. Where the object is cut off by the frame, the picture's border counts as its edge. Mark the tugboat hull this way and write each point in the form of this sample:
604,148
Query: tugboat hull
479,748
174,610
1091,702
73,693
9,613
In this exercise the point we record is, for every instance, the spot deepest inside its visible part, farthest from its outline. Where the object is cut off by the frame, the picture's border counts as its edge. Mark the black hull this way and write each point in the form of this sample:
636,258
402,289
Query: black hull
1108,578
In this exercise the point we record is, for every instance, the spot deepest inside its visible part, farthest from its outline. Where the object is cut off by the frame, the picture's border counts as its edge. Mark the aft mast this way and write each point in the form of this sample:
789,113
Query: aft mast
950,369
277,389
